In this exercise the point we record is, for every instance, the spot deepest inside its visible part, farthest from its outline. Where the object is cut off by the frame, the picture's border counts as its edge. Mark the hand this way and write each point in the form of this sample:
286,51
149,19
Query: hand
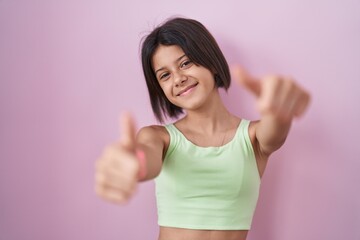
117,170
278,96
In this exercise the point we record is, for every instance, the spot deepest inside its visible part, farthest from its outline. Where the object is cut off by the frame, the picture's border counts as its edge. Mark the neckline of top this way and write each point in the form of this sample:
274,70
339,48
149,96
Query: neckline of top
242,121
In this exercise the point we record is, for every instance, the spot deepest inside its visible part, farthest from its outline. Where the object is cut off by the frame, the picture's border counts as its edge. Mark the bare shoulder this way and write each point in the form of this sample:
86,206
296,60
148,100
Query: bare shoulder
153,133
255,143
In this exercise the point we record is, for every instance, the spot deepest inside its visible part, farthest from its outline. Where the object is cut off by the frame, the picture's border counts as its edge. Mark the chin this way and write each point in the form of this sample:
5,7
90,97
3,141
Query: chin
192,105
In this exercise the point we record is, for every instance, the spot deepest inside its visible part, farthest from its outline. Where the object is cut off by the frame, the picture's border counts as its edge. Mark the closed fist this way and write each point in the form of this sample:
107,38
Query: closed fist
117,169
276,95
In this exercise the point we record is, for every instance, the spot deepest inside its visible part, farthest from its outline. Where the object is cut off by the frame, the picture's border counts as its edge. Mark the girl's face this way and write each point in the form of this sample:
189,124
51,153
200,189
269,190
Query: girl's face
184,83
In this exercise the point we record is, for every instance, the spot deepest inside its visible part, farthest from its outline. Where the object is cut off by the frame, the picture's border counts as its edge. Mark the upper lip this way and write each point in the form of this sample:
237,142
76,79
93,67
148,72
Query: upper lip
186,88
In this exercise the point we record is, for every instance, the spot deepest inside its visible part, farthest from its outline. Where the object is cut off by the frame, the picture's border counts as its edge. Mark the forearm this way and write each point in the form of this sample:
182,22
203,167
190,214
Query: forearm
151,147
279,100
150,162
271,133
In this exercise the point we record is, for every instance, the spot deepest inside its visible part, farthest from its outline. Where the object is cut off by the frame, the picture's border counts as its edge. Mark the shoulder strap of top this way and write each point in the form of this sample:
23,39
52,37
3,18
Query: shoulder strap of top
244,126
174,138
245,137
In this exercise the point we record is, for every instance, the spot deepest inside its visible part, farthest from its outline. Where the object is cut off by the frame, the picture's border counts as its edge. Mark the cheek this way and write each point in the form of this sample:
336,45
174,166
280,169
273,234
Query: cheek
167,89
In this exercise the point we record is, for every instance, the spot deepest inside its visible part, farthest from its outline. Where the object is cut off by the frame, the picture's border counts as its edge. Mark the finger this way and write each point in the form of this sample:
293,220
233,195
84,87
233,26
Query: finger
305,100
121,184
269,101
128,131
111,194
242,77
107,174
107,177
119,167
289,98
118,159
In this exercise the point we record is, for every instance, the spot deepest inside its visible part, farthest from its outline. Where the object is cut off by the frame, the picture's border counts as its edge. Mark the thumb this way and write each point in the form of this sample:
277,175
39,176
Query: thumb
242,77
128,131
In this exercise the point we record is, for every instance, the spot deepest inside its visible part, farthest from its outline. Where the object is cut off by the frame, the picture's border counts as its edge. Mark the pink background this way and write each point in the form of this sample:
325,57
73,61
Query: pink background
68,68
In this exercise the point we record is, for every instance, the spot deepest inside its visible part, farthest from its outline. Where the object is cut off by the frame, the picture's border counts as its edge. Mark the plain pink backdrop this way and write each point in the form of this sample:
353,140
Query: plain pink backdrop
68,68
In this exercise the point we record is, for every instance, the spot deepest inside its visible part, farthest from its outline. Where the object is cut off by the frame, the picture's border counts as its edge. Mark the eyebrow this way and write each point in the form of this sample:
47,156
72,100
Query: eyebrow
177,60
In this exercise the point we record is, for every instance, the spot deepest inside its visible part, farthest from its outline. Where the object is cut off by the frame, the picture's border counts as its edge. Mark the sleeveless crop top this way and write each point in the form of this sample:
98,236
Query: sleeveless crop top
209,188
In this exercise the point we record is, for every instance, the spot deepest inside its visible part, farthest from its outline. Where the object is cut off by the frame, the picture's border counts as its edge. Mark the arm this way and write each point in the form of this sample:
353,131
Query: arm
279,101
151,141
118,168
270,134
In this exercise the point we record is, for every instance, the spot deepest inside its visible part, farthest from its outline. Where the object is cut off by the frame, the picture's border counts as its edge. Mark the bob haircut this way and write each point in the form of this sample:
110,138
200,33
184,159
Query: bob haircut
199,46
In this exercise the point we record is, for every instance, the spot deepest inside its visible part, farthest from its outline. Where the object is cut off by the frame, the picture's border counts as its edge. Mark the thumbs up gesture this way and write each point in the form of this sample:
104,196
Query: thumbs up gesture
277,96
117,169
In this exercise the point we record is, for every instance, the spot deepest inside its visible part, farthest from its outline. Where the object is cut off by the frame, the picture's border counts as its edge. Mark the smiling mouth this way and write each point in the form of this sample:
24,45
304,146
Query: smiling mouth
187,90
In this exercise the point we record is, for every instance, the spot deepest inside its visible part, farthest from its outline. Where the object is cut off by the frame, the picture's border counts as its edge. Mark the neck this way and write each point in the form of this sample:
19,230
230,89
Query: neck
212,117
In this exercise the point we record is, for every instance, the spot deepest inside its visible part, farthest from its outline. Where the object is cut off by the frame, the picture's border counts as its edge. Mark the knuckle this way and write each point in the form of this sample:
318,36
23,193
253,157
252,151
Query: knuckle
265,106
122,200
116,194
268,107
133,166
118,197
291,83
273,78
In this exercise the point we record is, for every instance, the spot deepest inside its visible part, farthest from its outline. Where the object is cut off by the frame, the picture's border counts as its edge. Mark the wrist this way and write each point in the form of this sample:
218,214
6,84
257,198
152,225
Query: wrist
142,164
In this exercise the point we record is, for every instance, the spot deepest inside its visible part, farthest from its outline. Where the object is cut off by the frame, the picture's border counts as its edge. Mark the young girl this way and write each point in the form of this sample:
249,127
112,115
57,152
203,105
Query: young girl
207,165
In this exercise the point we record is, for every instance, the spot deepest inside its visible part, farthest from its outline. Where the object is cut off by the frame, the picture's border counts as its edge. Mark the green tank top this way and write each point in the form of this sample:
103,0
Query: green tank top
214,188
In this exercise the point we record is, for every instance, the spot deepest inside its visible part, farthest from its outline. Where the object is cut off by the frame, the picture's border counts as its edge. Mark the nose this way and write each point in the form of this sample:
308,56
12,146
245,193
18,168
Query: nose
179,78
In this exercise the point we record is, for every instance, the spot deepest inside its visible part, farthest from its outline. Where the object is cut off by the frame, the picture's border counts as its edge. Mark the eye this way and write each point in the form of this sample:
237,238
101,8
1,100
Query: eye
186,64
164,76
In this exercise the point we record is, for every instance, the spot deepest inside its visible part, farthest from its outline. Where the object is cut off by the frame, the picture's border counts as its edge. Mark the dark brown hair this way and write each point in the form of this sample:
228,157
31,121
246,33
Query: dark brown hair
199,46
